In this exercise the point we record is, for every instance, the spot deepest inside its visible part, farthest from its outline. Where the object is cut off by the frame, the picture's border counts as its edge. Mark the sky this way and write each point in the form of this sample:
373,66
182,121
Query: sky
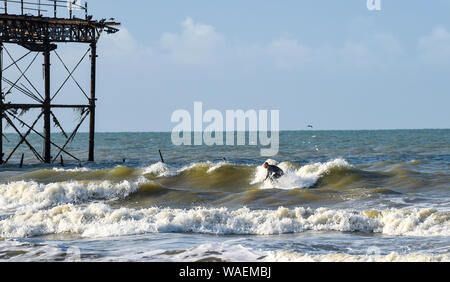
329,63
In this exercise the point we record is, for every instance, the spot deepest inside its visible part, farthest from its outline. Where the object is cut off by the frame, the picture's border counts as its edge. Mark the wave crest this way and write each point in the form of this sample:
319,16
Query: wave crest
100,220
33,195
232,252
303,177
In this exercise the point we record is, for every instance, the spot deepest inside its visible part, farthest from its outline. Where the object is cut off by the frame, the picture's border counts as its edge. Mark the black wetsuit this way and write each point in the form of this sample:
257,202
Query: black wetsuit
274,172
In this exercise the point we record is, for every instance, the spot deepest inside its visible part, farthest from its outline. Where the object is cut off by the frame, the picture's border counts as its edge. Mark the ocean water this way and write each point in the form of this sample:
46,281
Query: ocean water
346,196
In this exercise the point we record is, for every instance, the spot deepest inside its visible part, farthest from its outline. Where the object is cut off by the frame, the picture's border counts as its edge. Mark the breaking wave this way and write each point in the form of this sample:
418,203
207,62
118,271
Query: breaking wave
227,174
299,177
286,256
200,175
101,220
231,252
228,251
32,195
34,207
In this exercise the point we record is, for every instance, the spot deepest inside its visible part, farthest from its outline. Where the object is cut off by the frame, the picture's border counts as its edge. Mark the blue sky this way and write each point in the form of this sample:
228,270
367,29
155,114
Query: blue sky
329,63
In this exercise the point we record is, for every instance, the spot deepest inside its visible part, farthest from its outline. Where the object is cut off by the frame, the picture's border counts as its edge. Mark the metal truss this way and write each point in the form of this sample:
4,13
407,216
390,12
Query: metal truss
40,35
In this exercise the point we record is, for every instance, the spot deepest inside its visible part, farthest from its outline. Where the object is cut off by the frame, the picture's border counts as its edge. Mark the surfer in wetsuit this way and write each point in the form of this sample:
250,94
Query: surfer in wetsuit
273,172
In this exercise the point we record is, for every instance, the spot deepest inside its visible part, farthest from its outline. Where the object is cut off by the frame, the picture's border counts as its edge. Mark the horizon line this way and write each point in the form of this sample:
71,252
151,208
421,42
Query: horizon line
287,130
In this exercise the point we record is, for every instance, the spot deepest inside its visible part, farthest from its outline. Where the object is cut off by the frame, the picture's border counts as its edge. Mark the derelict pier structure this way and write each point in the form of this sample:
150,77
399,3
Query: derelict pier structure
39,26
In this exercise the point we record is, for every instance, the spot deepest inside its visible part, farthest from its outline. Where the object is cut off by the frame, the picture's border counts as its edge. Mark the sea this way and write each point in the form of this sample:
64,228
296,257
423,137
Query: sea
375,195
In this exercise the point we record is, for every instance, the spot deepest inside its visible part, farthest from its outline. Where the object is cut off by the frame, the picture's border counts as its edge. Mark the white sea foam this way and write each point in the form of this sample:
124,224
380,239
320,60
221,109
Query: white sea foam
100,220
215,166
160,169
163,170
76,169
208,165
287,256
230,250
304,177
235,252
32,195
14,251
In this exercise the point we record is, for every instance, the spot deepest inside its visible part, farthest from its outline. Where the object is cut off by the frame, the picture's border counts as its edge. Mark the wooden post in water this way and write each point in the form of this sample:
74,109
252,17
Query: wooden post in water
21,161
160,155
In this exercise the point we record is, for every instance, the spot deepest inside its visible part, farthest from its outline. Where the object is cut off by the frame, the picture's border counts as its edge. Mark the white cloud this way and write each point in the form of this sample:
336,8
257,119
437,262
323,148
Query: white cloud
356,54
386,43
201,59
435,47
124,50
196,44
121,43
374,50
288,53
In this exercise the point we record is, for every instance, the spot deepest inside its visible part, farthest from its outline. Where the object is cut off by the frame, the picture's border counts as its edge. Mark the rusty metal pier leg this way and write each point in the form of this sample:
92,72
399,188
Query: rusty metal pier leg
46,105
92,102
1,103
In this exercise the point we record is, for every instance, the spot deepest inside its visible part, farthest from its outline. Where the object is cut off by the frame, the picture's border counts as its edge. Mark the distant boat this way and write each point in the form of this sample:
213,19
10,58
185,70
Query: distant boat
310,126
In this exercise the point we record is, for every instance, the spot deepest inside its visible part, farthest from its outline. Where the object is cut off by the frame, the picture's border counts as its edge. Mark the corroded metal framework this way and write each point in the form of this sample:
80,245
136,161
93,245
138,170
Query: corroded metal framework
39,34
20,29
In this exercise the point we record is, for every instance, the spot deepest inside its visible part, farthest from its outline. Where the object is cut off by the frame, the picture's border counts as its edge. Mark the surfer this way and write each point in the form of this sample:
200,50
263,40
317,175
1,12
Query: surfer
273,172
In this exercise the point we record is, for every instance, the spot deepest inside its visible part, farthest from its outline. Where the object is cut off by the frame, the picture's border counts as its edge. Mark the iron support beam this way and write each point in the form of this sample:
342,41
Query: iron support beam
21,29
41,34
37,106
92,102
1,102
46,105
40,135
